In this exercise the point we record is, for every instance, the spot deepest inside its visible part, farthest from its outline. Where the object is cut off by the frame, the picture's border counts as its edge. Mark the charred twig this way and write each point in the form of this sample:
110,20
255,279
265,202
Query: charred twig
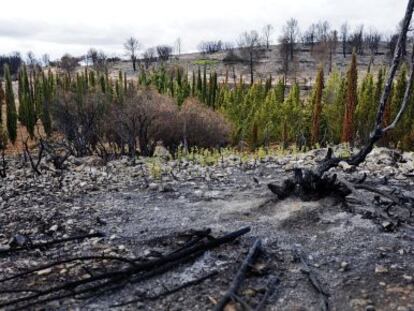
200,235
43,245
169,291
99,281
269,292
389,196
35,167
65,261
313,279
239,278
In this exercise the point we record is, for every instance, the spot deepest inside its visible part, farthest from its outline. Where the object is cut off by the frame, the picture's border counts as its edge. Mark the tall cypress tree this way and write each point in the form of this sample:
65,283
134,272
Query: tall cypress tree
317,107
204,91
10,107
2,97
351,101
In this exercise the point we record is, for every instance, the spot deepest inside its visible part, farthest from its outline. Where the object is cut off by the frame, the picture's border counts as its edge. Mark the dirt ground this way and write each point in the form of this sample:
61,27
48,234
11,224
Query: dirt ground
361,261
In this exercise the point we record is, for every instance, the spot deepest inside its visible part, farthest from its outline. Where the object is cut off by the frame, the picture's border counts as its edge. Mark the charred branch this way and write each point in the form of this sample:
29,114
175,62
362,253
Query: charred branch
240,276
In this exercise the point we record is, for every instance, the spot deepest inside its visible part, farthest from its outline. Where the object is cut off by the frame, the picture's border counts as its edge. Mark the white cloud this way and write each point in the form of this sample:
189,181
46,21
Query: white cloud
55,27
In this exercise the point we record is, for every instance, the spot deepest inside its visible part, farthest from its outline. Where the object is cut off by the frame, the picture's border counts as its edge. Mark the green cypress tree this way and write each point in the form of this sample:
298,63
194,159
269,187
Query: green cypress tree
2,98
47,92
11,114
199,83
334,107
193,85
365,112
317,107
351,101
204,91
398,133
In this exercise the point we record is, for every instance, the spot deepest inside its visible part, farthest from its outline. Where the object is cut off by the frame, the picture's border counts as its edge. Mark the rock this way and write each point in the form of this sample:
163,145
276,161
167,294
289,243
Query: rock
44,271
370,308
344,266
53,228
198,193
167,188
346,167
18,240
380,269
387,225
153,187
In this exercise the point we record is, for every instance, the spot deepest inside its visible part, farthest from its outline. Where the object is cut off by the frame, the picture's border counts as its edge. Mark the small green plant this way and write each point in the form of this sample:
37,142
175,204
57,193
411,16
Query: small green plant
205,62
154,168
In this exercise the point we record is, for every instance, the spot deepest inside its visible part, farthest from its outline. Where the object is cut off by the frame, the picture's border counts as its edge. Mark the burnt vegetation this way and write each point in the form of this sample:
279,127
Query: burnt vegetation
59,115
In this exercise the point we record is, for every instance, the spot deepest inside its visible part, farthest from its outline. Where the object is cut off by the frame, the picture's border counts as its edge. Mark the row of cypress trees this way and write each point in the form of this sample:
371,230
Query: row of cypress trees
336,110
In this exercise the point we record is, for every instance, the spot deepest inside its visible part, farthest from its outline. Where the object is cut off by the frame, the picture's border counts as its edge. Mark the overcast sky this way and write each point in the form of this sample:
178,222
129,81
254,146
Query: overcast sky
74,26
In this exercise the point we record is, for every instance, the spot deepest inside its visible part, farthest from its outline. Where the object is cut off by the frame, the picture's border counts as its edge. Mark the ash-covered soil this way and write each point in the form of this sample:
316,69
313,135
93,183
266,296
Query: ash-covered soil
361,250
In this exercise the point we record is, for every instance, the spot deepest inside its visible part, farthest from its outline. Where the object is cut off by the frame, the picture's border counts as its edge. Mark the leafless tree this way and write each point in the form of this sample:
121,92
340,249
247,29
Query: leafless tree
31,60
344,37
356,40
132,46
332,46
372,40
91,56
284,52
210,47
149,57
291,33
322,31
267,32
164,52
68,63
178,46
98,60
46,60
309,37
249,42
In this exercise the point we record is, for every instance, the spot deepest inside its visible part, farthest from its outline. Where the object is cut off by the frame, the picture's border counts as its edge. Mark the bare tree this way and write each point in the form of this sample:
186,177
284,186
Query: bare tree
322,31
46,60
98,60
149,57
291,33
91,56
178,46
356,40
164,52
284,52
132,46
309,37
372,40
31,60
344,37
332,46
68,63
267,33
210,47
248,44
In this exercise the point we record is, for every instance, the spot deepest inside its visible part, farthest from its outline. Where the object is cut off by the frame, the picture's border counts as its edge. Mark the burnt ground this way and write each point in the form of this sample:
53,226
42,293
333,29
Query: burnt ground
361,257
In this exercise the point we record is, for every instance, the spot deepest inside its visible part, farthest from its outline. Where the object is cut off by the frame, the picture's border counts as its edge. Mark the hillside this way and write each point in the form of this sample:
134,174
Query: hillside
269,62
